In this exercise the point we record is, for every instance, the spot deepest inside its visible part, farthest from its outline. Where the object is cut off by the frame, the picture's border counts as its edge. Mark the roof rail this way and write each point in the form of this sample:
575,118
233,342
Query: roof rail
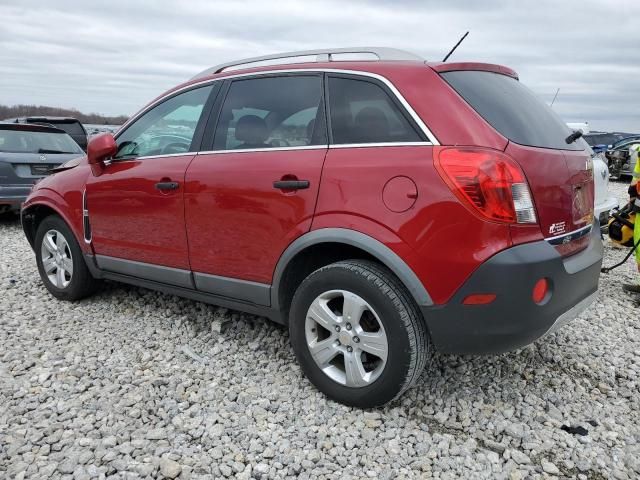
321,55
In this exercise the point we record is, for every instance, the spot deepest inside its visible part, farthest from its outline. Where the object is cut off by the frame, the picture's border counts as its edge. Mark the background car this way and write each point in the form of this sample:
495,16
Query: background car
27,153
604,202
620,163
70,125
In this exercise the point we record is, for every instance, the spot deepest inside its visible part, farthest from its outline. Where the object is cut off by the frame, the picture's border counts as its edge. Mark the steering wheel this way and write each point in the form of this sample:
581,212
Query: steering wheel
175,147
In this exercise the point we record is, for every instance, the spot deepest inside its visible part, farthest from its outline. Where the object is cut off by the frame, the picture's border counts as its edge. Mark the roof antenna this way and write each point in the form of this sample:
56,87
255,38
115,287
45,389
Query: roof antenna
454,48
555,96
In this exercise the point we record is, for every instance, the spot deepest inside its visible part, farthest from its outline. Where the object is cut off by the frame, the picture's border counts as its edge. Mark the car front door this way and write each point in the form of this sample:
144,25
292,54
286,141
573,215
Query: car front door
254,191
136,204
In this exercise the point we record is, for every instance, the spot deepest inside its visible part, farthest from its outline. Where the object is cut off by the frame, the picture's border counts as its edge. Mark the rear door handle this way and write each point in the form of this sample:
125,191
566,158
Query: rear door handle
291,184
167,185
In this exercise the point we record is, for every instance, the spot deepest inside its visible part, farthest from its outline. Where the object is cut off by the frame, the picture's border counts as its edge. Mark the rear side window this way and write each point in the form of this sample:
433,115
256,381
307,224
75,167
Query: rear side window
363,112
272,112
512,109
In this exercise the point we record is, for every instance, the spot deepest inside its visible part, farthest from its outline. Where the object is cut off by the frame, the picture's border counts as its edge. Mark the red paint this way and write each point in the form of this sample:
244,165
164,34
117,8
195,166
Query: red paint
400,194
238,224
132,219
553,177
227,219
438,237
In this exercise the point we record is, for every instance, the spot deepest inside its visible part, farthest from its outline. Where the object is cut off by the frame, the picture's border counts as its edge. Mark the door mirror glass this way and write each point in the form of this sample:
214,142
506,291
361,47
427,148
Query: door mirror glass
100,148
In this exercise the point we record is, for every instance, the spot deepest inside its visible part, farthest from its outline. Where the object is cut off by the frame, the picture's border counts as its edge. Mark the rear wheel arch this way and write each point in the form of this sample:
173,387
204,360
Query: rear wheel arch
322,247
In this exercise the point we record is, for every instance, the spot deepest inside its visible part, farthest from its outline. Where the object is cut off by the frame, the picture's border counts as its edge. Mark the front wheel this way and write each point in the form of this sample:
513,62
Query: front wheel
357,333
60,261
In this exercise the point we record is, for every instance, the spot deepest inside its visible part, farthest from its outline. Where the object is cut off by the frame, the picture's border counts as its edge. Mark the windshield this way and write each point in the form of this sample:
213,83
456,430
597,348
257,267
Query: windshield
25,141
512,109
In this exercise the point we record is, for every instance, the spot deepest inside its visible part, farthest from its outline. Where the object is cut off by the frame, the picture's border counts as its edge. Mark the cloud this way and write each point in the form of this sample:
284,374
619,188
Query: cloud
113,58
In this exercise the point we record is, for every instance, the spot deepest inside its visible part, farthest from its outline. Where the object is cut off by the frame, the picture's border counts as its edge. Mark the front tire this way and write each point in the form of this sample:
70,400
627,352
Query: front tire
357,333
60,261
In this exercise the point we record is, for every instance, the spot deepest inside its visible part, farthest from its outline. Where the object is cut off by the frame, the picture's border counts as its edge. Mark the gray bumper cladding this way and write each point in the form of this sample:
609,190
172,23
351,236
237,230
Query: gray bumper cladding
514,320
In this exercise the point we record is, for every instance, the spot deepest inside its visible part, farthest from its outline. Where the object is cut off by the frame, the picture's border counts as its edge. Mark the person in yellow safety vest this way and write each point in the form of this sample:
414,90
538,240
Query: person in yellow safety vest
634,151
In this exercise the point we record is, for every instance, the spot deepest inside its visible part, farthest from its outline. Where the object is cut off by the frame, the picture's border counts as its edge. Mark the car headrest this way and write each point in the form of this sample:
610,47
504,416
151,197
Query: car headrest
251,129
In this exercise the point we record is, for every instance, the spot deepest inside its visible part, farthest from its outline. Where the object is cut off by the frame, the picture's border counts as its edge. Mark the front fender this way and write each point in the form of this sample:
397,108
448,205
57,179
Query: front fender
53,201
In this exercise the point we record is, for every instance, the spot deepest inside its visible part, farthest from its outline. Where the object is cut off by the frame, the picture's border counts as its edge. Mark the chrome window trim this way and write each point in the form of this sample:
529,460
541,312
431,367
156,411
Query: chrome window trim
381,144
267,149
432,138
122,160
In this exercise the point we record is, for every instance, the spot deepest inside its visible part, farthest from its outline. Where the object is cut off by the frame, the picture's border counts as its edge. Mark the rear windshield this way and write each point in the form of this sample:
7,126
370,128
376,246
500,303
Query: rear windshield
71,128
24,141
512,109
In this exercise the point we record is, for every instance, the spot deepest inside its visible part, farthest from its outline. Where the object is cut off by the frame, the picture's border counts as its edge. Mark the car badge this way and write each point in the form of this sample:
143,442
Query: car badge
604,174
557,228
43,158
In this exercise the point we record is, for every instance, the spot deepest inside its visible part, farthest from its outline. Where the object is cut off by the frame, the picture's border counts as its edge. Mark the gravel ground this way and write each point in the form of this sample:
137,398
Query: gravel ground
135,384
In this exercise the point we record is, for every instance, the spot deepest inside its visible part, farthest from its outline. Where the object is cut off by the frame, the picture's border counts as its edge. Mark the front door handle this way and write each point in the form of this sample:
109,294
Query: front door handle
167,185
291,184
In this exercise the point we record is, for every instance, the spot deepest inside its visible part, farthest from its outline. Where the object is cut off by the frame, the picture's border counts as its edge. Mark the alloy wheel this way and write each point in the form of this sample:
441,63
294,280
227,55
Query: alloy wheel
57,261
346,338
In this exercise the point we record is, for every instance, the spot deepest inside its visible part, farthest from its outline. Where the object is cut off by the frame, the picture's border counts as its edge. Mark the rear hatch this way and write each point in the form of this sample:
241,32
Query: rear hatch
560,175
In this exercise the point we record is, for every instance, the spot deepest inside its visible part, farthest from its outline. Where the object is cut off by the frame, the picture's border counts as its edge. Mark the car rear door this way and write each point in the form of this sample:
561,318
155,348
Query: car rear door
253,190
136,203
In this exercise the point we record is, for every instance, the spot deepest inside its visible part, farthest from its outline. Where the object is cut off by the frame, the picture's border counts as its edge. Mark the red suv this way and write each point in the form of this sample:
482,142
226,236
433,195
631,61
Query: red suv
379,205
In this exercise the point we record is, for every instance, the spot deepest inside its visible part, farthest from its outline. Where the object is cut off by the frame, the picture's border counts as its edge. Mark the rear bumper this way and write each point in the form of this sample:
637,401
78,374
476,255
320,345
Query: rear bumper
14,195
513,319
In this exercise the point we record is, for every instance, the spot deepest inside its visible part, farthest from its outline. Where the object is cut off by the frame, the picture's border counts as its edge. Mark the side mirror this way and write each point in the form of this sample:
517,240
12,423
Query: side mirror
100,148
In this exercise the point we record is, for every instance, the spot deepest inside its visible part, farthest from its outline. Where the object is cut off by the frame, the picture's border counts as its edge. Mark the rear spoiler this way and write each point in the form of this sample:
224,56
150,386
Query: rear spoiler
474,66
30,127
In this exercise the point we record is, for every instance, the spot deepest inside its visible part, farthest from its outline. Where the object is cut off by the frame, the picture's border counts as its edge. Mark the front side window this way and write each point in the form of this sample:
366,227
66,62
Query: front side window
362,112
167,128
271,112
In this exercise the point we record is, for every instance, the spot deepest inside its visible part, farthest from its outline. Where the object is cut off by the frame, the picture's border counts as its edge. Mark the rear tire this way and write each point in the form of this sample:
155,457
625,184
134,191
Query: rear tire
60,261
357,333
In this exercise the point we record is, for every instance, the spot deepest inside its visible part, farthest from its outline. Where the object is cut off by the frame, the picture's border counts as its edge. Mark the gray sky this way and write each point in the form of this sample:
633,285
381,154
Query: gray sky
113,57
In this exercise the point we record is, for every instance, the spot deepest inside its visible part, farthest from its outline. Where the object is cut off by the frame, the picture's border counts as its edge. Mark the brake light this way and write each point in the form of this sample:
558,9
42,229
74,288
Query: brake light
489,181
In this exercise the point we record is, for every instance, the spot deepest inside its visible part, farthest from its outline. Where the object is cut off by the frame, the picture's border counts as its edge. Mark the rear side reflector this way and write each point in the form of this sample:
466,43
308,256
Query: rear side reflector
489,181
479,299
540,290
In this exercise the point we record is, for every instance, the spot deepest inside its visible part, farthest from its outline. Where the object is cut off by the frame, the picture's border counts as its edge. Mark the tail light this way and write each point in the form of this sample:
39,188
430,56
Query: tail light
489,181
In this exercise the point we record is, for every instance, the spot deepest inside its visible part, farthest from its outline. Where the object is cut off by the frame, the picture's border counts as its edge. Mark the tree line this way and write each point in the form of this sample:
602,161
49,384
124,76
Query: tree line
7,112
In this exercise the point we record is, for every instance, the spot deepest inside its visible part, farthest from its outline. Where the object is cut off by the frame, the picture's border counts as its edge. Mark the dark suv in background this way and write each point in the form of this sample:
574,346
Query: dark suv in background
70,125
29,152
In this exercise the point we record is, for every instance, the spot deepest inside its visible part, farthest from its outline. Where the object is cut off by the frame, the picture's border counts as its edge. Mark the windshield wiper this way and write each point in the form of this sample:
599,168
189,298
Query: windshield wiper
573,137
46,150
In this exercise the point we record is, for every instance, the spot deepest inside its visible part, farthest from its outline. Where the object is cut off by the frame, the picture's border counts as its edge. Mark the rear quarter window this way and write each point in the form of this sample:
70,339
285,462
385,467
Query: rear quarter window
512,109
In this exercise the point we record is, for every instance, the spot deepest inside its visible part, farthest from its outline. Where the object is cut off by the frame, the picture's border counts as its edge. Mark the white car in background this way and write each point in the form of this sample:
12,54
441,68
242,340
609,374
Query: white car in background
604,201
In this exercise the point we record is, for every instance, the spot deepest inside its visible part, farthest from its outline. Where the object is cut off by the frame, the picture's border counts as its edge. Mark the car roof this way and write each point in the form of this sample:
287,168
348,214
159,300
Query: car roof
30,127
43,118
